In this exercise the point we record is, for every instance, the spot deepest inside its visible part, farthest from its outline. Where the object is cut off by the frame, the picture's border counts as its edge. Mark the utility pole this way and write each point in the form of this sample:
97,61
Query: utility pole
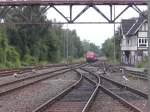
67,44
148,55
114,39
64,39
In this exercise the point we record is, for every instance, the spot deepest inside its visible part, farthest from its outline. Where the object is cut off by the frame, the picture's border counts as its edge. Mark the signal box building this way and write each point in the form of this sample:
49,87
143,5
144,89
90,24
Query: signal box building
134,41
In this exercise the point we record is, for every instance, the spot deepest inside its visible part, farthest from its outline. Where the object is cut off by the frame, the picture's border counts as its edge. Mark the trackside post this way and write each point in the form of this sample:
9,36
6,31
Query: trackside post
148,55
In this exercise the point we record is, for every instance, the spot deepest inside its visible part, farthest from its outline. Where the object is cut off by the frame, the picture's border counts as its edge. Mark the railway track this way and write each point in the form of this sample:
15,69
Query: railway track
9,72
128,96
73,99
25,81
137,75
116,68
134,81
84,95
105,103
131,96
136,91
76,98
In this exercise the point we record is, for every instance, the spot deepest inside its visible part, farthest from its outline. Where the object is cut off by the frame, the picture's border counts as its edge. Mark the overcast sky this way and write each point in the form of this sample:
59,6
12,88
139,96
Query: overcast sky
96,33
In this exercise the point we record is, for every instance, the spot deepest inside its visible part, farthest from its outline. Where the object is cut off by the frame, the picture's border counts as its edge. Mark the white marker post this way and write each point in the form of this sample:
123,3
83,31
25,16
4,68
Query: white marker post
148,55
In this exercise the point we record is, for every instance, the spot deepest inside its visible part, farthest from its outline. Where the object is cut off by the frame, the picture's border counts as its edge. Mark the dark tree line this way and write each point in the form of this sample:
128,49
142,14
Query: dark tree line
26,44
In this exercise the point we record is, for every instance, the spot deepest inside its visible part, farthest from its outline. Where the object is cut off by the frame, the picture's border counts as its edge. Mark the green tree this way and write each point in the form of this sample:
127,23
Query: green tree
87,46
9,55
108,46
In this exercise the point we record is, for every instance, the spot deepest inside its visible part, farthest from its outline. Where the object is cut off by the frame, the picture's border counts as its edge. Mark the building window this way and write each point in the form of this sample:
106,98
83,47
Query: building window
145,40
142,42
139,40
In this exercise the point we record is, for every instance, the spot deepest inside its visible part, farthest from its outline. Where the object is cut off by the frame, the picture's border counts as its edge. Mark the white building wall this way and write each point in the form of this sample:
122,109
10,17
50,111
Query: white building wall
132,45
133,55
145,53
142,34
129,43
142,40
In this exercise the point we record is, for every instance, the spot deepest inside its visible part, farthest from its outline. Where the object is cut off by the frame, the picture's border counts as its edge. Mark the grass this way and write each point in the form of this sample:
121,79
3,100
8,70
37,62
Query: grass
143,64
113,62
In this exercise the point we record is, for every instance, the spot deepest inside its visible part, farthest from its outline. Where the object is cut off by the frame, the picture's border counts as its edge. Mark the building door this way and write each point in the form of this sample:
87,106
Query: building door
127,57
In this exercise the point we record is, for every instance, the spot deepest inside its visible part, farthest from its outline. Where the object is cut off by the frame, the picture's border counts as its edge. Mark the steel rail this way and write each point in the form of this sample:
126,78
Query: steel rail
145,95
91,99
112,94
59,96
44,77
137,77
53,100
136,91
3,92
26,78
38,75
138,74
9,72
123,101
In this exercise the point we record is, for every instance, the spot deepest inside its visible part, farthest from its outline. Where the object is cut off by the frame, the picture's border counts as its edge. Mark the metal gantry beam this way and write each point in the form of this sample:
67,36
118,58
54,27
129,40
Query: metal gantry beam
70,19
116,17
87,3
81,12
70,2
101,13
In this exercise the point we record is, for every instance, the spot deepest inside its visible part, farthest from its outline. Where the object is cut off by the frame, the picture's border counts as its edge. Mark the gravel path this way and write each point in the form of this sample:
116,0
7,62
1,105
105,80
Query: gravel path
30,97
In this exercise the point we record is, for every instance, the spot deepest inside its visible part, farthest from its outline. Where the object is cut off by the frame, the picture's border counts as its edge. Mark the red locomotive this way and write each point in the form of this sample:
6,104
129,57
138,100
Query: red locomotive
90,56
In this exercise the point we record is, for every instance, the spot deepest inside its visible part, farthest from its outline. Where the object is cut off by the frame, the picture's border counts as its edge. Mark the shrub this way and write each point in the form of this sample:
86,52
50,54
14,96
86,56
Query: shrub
12,57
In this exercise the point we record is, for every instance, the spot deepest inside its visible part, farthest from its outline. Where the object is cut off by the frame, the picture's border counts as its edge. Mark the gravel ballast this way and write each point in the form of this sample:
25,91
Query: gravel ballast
136,83
105,103
30,97
28,74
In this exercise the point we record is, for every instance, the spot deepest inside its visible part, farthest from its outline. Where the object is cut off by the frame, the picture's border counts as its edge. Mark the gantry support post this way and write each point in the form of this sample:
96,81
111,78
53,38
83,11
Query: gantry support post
114,38
71,14
111,13
148,55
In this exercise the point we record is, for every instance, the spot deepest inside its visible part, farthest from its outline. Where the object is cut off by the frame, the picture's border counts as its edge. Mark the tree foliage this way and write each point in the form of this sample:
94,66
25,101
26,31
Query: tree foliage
8,54
24,44
108,46
88,46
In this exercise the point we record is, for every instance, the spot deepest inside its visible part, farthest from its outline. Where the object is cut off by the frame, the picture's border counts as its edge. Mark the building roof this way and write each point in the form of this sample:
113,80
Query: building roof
126,25
136,26
131,26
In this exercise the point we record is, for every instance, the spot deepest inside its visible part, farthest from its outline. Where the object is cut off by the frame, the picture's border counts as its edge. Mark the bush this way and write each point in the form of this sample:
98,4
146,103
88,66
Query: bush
12,57
143,63
112,62
70,59
29,60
